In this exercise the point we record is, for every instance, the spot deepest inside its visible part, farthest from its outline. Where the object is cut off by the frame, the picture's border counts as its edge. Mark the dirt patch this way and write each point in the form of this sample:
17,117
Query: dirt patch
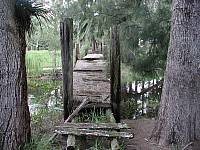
142,129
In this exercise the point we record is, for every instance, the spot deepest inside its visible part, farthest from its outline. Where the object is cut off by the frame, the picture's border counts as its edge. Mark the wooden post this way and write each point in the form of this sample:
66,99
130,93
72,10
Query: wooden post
115,73
143,97
66,33
114,143
77,52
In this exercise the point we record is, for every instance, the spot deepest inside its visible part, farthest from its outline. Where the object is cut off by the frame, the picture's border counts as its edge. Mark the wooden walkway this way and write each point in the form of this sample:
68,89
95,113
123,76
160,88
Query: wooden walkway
86,86
91,88
89,81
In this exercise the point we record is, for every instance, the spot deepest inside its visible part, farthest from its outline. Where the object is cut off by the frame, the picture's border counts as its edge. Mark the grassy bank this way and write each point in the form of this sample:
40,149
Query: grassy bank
36,61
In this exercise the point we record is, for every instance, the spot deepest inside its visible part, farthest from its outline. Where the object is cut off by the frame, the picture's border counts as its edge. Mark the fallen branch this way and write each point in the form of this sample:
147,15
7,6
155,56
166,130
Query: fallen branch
186,146
76,111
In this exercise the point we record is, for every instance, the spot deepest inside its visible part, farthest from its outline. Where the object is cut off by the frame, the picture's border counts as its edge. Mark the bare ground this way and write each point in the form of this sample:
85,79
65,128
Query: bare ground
142,129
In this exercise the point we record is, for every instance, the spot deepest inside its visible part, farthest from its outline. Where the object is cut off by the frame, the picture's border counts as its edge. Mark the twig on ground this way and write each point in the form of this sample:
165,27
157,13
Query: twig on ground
186,146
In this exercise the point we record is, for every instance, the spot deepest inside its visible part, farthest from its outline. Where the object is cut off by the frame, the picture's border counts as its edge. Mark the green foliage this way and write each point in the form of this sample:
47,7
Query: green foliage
38,143
44,120
145,38
128,108
84,48
153,103
25,10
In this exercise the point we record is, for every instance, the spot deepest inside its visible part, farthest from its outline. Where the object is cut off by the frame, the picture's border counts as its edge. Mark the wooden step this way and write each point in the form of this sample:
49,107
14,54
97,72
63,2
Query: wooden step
86,65
97,133
93,57
106,126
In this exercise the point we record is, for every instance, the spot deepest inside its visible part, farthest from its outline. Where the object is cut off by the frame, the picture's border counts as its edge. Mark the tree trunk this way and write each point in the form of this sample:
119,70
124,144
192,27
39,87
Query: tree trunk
14,112
179,114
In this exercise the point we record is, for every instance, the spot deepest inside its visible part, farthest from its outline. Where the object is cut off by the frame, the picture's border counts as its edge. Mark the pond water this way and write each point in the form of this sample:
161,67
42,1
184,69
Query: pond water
48,95
44,95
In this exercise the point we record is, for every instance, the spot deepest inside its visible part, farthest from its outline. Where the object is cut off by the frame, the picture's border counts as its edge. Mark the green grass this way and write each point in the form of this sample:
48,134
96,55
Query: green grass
93,117
37,60
39,143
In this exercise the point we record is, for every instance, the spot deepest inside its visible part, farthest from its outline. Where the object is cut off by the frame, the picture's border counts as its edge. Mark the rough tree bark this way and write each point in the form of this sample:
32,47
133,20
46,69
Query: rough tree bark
179,114
14,112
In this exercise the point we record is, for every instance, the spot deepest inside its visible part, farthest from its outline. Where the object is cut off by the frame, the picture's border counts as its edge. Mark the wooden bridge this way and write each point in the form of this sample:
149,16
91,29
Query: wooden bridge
86,86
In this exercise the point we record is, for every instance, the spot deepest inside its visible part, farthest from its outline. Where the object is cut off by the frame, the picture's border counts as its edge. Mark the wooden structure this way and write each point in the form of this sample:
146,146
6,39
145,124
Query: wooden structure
91,88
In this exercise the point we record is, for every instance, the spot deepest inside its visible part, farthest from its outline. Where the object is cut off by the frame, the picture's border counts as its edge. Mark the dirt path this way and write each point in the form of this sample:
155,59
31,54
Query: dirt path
142,129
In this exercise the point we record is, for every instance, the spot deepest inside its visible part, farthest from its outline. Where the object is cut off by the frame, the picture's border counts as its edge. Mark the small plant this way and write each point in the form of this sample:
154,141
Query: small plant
129,108
93,117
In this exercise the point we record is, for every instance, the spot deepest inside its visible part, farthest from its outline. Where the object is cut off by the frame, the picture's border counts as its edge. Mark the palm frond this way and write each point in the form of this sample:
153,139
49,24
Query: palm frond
26,9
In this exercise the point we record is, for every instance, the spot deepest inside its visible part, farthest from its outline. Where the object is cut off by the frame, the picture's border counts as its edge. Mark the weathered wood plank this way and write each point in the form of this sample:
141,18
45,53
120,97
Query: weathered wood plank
86,65
97,105
106,126
99,133
105,99
66,33
93,57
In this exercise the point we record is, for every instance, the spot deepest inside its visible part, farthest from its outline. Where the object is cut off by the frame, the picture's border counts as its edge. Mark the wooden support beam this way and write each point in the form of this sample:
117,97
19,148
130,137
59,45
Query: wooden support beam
71,141
66,33
115,73
114,142
114,145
